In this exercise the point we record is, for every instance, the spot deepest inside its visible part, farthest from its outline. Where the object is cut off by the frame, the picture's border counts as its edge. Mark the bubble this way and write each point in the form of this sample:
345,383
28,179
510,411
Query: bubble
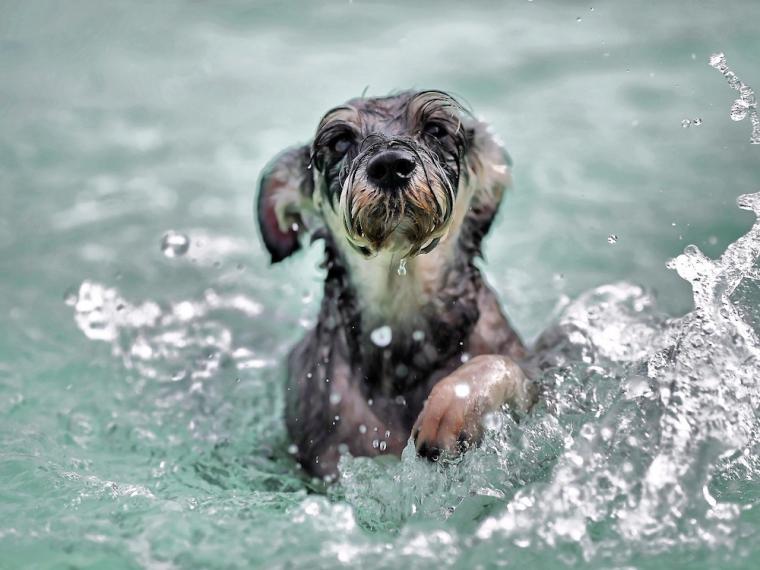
292,449
174,244
612,239
696,122
362,429
383,446
335,398
381,336
686,123
402,267
418,336
375,443
579,19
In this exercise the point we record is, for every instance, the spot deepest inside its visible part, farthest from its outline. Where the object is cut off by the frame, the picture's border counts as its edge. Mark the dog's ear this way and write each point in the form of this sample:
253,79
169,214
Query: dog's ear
487,161
488,173
285,192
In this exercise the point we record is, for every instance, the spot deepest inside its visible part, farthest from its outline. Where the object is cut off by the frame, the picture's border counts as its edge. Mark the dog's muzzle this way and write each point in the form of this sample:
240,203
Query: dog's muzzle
397,197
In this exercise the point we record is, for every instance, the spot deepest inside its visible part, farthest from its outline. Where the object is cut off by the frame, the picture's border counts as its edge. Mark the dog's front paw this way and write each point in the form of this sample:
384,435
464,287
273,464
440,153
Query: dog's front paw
450,421
452,417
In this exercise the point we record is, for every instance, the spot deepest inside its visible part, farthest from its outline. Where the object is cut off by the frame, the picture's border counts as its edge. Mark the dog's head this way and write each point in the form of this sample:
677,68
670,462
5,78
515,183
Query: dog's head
394,173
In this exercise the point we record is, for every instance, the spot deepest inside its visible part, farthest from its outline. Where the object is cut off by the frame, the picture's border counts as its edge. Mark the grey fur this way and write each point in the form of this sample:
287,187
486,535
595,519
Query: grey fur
345,393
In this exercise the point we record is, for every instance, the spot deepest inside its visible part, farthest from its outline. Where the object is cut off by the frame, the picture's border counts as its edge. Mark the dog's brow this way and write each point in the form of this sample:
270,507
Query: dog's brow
425,104
342,113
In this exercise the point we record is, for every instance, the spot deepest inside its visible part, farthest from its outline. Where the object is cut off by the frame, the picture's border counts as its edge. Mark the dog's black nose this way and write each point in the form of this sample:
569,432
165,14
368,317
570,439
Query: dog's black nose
391,168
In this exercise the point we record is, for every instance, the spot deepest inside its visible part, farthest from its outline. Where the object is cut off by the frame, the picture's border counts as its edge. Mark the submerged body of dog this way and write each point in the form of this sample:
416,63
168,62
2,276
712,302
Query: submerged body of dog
410,341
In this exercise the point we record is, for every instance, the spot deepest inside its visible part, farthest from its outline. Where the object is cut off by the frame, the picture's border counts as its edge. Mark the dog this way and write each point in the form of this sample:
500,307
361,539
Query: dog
410,341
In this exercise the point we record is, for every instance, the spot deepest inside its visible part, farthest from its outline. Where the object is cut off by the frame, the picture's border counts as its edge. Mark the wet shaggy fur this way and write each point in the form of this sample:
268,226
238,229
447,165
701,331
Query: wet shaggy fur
344,392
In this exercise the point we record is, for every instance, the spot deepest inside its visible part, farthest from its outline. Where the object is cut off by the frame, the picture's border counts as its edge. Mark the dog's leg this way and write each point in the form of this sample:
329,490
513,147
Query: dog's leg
452,416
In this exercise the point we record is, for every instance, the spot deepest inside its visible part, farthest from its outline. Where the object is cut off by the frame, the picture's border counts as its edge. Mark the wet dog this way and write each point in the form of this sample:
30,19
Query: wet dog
410,340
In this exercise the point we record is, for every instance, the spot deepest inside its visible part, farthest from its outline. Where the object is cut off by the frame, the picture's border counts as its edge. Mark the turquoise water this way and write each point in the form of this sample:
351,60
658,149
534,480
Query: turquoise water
140,395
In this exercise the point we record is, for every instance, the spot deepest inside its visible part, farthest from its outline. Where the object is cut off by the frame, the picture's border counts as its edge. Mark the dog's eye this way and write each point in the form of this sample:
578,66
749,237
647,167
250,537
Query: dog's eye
435,130
341,144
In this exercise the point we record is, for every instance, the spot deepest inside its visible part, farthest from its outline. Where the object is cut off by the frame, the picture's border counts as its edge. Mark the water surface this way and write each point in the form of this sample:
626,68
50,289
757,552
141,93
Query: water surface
140,394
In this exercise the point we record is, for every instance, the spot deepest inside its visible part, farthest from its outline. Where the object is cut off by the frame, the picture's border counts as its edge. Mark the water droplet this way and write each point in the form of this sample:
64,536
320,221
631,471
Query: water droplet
402,267
381,336
292,449
462,390
717,60
418,336
578,19
612,239
335,398
686,123
696,122
465,357
362,429
174,244
739,110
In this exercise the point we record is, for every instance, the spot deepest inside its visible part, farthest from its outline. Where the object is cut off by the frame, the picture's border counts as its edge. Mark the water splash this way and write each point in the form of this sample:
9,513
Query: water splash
645,444
746,104
166,343
645,422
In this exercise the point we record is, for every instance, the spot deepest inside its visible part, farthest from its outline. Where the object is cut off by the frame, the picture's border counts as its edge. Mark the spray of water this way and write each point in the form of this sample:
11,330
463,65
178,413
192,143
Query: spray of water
644,449
746,105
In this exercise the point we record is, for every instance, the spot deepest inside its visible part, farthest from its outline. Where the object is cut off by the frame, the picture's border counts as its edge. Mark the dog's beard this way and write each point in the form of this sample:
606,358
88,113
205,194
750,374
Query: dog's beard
408,220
